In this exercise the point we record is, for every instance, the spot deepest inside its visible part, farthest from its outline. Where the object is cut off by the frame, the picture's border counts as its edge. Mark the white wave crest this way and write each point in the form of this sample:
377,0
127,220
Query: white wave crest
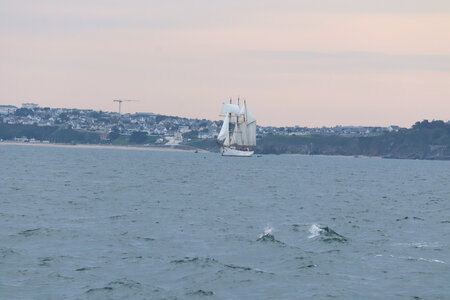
419,245
431,260
267,231
419,259
315,230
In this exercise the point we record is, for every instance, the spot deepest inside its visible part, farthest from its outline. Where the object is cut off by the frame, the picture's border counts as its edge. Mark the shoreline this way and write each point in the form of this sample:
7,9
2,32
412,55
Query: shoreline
152,148
105,146
192,150
332,155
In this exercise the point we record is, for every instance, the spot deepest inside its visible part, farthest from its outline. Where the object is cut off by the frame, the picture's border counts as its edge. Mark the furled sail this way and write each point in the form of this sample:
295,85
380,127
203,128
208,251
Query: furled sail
229,108
224,131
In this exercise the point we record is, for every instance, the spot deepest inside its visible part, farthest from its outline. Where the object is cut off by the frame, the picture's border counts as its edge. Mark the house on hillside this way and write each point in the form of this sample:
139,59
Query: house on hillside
7,109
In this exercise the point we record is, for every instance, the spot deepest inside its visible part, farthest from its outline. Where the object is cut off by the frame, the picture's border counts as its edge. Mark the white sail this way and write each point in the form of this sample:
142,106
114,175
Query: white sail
227,140
244,132
224,131
236,137
240,135
251,126
251,134
250,118
229,108
243,109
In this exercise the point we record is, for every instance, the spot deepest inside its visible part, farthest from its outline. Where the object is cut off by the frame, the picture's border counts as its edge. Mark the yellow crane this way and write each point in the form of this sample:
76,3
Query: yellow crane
120,103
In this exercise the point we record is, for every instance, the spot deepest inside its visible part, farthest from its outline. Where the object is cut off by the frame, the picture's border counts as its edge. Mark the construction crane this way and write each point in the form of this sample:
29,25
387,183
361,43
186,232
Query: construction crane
120,103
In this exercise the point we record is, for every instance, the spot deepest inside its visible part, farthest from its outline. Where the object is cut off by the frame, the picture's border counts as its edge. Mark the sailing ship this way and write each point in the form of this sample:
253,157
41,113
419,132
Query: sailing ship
241,122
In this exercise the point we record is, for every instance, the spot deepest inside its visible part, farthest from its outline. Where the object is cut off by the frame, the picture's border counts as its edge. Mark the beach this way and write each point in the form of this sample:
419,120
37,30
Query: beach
96,146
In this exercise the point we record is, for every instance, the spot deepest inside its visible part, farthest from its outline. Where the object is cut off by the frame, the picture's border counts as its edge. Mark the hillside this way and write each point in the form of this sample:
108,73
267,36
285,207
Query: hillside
425,140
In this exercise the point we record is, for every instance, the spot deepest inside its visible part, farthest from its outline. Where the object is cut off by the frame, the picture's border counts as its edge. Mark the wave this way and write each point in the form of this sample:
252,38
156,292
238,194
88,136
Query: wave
326,234
117,284
30,232
295,227
201,293
103,289
116,217
5,252
268,236
315,230
406,218
85,269
147,239
434,245
410,258
428,260
39,231
207,261
45,262
308,266
125,283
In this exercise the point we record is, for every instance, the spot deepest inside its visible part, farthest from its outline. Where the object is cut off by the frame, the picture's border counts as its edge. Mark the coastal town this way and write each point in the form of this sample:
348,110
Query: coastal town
167,130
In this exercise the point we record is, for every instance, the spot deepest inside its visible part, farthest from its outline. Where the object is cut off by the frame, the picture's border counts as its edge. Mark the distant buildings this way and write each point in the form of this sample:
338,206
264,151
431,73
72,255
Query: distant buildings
7,109
30,105
167,129
176,139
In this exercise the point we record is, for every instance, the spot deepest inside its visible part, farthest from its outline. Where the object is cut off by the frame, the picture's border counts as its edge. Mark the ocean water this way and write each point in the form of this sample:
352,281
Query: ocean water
124,224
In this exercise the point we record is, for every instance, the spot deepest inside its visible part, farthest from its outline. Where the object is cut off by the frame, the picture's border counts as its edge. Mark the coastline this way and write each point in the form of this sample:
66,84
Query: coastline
332,155
105,146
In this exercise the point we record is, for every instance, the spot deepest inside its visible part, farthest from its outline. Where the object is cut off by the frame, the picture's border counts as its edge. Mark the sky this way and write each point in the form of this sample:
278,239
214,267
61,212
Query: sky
296,62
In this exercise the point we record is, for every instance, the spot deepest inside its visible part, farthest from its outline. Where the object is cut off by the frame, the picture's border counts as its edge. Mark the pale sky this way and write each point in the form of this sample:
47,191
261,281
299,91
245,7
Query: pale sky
296,62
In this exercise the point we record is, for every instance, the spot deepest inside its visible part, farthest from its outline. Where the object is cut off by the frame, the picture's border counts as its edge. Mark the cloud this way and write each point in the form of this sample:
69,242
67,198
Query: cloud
325,62
355,61
70,16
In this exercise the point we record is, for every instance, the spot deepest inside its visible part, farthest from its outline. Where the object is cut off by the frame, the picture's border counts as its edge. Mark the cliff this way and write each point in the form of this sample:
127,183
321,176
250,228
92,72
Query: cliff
425,140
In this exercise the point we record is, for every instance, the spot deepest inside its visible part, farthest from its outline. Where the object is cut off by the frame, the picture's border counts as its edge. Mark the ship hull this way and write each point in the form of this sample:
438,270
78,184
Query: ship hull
226,151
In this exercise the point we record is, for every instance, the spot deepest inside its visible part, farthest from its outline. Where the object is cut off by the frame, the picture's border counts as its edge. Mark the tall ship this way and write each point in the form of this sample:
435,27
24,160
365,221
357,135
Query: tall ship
238,132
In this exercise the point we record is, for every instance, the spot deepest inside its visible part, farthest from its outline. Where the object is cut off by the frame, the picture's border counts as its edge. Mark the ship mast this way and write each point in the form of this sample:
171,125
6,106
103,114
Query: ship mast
229,121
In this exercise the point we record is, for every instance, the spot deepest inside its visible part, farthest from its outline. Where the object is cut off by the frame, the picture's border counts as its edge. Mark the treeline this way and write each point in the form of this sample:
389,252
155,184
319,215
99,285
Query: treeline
136,138
425,140
59,134
53,134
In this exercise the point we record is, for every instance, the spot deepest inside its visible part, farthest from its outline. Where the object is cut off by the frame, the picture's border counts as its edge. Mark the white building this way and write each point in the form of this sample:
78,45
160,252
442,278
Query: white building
7,109
30,105
184,129
176,139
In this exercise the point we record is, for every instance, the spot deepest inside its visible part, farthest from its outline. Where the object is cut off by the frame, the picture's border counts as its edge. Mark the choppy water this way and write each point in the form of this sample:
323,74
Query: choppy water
116,224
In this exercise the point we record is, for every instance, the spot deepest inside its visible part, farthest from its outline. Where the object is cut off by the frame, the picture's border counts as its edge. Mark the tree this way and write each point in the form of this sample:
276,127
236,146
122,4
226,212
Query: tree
190,135
114,134
429,125
64,117
138,137
23,112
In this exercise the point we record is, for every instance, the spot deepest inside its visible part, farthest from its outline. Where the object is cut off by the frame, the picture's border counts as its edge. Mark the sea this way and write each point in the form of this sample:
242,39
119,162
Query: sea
81,223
